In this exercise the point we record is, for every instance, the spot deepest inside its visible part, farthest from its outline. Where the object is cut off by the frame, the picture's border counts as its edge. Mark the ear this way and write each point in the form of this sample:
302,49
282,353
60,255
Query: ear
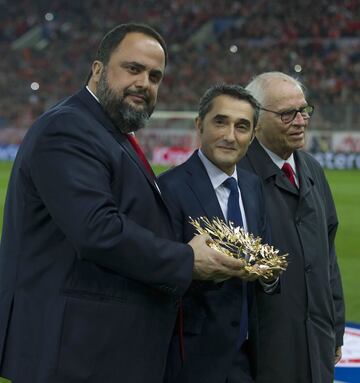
97,68
198,124
257,128
252,136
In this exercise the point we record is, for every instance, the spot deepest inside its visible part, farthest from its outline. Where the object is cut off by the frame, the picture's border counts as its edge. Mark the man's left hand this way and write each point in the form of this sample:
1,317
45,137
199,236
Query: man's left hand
338,354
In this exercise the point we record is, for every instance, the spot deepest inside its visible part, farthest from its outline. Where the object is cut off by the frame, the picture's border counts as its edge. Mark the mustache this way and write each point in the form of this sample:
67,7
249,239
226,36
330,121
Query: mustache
226,145
138,93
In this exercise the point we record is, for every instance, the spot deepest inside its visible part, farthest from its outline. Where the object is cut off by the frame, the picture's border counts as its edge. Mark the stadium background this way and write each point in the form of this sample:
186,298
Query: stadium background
47,46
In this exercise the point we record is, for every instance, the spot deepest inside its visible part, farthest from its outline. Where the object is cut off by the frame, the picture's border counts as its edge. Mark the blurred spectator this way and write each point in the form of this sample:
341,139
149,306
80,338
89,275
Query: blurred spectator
208,42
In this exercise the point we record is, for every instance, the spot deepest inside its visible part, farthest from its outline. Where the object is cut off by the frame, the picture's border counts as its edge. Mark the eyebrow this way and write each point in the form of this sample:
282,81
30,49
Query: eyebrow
156,72
222,116
244,121
292,109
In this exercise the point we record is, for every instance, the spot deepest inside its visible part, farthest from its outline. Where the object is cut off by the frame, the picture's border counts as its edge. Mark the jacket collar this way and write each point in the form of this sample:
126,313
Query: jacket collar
266,169
96,110
200,183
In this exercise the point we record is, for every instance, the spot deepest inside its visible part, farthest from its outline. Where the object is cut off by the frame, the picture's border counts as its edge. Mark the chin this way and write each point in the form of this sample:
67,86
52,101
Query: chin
138,107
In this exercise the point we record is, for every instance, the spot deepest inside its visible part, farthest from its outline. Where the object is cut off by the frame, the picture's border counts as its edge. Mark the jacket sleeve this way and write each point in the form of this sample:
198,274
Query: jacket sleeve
272,287
72,173
335,277
169,192
334,271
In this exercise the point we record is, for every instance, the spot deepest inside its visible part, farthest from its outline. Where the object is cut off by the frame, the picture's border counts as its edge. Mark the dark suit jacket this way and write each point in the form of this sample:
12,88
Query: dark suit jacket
211,311
306,321
89,280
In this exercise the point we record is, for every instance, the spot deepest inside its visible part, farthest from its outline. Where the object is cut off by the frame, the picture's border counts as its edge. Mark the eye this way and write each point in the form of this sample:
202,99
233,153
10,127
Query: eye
133,69
243,125
288,114
155,78
219,121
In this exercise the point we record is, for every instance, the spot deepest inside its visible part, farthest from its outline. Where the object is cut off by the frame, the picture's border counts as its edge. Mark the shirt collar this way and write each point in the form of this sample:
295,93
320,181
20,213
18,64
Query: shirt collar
216,175
278,161
89,90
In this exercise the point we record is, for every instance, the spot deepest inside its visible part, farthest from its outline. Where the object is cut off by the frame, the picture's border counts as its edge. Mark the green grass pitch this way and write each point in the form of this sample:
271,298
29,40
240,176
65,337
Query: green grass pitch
345,186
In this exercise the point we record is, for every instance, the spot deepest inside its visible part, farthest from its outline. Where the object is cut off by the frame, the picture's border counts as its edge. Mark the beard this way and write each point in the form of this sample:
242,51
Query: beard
124,116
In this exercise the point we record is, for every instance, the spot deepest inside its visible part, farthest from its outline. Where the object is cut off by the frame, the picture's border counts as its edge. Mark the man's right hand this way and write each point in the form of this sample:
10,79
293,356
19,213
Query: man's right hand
210,264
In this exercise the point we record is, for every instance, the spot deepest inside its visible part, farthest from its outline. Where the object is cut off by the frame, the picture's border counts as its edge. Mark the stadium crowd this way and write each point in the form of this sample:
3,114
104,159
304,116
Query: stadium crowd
51,43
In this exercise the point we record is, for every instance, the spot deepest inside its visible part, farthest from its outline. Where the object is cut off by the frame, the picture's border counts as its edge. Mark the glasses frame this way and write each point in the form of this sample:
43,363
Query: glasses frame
295,111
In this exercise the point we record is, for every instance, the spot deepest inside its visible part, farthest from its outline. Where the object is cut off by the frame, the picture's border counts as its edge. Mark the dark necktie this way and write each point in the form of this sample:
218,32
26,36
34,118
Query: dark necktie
289,172
234,215
233,207
134,143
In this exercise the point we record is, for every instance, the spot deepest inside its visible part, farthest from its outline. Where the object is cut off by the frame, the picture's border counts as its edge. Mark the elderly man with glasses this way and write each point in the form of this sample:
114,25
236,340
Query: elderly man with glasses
301,329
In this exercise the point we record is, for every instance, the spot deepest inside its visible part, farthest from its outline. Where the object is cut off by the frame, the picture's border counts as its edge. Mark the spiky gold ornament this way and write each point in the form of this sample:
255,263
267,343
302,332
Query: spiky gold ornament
260,259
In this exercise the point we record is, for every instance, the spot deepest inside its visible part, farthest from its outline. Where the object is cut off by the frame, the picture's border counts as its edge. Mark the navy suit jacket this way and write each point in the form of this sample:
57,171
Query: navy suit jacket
89,275
211,311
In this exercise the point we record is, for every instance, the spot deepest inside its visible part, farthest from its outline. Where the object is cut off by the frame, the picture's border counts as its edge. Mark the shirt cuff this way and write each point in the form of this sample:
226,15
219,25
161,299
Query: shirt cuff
269,287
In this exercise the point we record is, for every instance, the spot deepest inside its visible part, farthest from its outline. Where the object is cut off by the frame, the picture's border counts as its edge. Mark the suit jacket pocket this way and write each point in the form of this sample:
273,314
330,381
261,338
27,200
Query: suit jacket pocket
77,349
6,300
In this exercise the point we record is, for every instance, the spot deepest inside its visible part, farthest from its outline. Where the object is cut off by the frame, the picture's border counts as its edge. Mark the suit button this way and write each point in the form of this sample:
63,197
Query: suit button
298,220
235,323
307,268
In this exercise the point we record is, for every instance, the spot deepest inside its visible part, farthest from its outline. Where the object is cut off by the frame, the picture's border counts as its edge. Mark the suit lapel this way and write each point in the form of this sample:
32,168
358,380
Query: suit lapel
248,198
95,109
266,169
305,178
199,182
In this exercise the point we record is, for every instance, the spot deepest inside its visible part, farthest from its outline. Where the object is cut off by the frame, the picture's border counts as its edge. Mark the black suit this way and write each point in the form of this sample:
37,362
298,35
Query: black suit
89,280
211,311
305,322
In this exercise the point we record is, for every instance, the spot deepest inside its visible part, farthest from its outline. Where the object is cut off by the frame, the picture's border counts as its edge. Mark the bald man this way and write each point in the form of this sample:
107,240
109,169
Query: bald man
301,329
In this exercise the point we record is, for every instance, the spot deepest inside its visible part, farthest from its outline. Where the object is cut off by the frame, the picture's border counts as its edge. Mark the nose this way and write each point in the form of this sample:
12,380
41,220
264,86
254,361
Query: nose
230,133
142,80
299,119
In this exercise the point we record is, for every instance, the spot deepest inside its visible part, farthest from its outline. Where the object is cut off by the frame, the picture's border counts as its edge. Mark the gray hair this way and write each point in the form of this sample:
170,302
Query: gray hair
260,84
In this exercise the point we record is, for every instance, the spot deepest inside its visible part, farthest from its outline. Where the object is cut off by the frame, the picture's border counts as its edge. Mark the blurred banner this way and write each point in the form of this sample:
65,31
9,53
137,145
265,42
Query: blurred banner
171,156
348,369
174,141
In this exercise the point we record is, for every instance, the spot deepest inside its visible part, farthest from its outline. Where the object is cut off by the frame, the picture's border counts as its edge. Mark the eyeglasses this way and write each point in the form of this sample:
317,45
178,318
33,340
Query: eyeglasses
289,115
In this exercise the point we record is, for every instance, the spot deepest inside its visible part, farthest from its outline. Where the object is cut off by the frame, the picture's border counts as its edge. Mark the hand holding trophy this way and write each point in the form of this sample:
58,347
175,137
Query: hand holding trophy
261,260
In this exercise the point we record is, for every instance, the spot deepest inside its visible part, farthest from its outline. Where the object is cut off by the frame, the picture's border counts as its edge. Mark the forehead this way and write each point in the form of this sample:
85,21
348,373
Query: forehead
141,48
283,94
230,107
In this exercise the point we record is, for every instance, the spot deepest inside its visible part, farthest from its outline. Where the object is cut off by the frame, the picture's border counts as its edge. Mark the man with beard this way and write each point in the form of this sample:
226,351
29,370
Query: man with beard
90,278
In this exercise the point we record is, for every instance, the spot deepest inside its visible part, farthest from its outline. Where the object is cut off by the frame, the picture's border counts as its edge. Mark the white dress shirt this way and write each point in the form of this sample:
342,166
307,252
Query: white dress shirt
217,177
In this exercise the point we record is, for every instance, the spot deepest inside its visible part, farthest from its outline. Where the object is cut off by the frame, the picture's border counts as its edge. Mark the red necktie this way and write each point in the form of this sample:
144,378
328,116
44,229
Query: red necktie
134,143
289,172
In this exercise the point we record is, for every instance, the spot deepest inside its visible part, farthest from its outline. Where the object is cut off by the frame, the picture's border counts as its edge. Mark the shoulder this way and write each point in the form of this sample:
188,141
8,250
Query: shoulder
310,163
308,158
179,173
67,117
173,176
250,177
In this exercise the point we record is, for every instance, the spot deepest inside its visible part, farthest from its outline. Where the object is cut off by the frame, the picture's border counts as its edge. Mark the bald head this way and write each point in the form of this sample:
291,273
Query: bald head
280,96
263,86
